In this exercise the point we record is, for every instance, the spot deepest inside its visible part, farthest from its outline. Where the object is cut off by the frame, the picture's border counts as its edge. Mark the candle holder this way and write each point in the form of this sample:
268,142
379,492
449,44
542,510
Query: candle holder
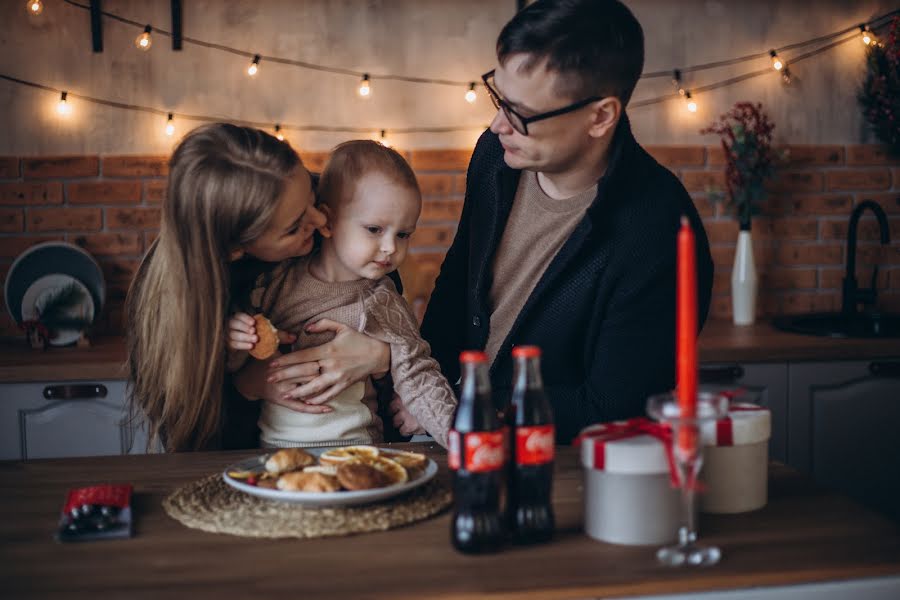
687,449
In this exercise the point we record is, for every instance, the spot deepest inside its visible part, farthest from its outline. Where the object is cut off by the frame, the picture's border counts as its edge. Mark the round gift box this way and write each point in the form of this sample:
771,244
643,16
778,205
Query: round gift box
628,494
736,460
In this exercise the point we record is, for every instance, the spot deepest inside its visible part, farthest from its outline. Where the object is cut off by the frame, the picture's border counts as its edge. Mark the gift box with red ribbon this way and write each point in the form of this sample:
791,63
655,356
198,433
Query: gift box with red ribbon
629,476
736,460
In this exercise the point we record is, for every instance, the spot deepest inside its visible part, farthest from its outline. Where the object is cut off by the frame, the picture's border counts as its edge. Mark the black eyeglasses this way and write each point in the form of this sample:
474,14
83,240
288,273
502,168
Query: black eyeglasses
519,122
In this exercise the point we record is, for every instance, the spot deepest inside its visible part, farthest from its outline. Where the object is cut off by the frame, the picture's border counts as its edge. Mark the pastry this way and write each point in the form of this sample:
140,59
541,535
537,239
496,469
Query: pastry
411,461
289,459
268,338
301,481
336,456
357,475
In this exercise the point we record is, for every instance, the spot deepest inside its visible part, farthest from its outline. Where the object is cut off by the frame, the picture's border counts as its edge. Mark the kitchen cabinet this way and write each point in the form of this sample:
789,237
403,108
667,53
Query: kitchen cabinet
62,419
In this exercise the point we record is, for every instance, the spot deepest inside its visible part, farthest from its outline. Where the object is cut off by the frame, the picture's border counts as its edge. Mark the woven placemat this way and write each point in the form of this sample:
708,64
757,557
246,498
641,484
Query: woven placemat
212,505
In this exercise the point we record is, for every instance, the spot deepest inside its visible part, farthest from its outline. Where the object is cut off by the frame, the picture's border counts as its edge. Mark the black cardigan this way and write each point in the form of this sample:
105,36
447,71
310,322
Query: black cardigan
604,311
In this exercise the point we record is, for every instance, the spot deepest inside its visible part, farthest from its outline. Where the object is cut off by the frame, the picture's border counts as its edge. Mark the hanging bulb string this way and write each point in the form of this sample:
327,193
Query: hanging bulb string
873,24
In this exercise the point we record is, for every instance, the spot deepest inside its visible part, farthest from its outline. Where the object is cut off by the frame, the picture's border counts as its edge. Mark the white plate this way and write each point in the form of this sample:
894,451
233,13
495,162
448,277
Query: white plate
40,291
342,498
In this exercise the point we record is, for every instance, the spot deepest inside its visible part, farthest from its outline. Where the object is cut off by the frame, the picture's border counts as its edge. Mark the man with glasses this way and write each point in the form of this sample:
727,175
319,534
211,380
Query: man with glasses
567,238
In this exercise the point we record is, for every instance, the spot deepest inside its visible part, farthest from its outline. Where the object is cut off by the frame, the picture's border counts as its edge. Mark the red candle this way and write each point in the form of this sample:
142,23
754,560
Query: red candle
686,328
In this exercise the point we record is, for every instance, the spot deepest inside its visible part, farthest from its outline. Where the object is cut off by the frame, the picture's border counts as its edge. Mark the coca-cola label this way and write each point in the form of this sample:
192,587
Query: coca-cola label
535,445
476,452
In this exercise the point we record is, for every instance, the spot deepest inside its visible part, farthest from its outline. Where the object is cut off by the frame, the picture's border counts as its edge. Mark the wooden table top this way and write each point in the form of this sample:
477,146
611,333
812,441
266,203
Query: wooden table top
720,341
803,535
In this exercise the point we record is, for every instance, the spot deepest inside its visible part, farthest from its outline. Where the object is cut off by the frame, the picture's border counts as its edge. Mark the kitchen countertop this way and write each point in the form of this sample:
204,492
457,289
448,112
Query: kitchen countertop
721,341
805,535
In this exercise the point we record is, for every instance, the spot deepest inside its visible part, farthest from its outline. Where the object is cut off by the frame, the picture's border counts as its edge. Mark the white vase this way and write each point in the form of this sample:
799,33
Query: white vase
743,281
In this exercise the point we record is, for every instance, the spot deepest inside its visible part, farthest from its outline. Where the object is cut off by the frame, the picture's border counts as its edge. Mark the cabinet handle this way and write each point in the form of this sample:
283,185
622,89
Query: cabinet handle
725,374
75,392
885,368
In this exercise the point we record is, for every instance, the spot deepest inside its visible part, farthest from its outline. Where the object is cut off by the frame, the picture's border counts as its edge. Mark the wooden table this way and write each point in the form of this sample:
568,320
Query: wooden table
803,535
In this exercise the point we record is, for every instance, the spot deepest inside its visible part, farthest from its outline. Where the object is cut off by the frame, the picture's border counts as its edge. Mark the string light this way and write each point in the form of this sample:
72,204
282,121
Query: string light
690,102
253,69
278,133
144,41
63,107
470,95
777,64
786,76
676,81
35,7
170,125
383,140
364,89
867,36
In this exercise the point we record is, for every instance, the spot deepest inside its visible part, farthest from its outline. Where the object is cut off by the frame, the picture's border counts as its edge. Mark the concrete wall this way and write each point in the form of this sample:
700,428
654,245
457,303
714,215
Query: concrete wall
431,38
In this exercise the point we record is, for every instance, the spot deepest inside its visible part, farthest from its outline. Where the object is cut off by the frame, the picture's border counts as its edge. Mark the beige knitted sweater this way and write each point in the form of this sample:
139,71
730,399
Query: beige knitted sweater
292,298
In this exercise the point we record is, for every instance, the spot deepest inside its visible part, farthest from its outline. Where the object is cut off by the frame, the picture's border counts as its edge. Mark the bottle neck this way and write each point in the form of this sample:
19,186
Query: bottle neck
474,380
527,374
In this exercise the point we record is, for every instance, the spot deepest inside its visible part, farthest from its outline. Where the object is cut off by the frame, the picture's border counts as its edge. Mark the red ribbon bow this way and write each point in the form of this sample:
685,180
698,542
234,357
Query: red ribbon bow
610,432
724,426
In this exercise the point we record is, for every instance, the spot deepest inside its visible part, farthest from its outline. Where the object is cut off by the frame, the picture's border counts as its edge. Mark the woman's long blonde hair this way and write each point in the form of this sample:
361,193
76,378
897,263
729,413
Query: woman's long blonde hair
224,185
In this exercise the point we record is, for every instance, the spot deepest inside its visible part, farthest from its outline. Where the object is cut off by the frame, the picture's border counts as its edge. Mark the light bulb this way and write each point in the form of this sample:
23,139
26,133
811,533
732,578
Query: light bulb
470,95
867,36
786,76
691,103
170,125
63,107
383,140
253,69
144,41
35,7
364,90
676,81
777,64
278,133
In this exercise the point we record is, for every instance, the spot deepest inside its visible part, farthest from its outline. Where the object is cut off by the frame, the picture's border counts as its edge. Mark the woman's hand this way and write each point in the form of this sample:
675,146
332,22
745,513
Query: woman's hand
349,357
253,383
403,419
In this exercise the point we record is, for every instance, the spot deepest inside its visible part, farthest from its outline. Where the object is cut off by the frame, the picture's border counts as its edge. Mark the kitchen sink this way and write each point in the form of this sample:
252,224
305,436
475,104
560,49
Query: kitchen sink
839,325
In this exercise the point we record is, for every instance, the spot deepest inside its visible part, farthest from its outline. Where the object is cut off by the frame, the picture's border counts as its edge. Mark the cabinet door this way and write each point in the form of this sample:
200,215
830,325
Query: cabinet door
843,430
66,419
766,384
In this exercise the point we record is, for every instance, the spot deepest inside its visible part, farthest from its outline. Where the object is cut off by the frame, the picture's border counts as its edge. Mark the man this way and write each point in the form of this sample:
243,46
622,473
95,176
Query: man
567,238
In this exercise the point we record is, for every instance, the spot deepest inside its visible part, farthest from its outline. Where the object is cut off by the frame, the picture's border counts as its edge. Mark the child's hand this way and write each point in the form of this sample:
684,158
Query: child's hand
242,333
403,419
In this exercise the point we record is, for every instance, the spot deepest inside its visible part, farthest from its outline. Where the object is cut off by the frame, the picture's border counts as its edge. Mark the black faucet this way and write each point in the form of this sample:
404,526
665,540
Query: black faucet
853,295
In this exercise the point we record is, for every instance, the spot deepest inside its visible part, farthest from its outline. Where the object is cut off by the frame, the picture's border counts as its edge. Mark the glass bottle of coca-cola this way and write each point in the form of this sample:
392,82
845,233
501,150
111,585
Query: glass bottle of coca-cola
476,454
533,438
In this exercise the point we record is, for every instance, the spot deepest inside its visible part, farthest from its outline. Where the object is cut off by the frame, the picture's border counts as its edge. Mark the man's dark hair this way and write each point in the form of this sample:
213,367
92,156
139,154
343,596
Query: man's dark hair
595,46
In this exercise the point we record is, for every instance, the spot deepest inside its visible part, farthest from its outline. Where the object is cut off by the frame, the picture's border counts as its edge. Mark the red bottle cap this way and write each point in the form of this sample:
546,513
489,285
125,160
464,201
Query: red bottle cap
526,352
472,356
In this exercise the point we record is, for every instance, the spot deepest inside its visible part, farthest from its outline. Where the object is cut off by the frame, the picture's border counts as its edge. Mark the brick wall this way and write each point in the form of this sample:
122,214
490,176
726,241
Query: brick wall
110,205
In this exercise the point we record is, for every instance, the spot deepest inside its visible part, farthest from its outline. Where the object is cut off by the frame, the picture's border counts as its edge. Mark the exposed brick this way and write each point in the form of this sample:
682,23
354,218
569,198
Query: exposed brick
119,270
440,160
31,193
459,183
135,166
314,161
876,254
61,166
149,238
64,219
803,156
9,167
805,302
155,191
132,218
678,156
12,220
723,256
859,179
889,302
721,281
869,154
893,276
441,210
715,156
433,236
788,279
721,230
703,181
834,278
796,181
435,184
809,254
104,192
820,204
704,205
12,246
795,229
720,307
866,230
890,202
109,244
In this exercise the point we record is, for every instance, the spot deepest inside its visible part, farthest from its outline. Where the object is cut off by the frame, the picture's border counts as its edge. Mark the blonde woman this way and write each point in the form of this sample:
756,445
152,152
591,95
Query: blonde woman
239,201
